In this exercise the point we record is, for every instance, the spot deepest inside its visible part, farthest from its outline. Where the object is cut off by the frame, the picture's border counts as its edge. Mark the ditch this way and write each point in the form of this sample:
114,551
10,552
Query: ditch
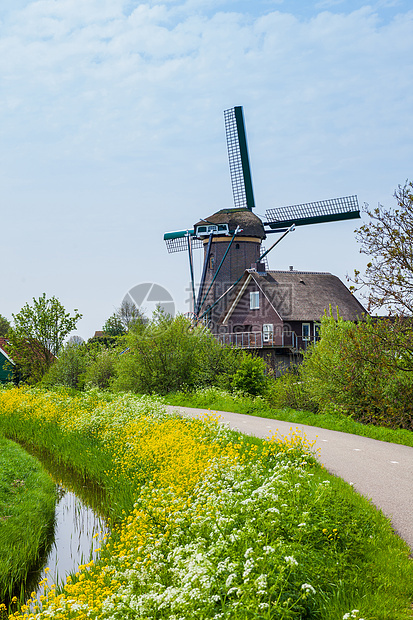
78,530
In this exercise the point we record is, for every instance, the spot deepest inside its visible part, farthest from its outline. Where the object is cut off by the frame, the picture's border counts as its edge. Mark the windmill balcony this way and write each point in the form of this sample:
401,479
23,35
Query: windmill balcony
260,340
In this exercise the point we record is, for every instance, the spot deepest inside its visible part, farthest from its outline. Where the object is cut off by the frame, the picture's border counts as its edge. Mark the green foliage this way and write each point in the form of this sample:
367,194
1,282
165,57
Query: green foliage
4,326
114,326
170,354
130,316
100,372
250,376
69,368
82,365
362,370
127,317
289,390
38,334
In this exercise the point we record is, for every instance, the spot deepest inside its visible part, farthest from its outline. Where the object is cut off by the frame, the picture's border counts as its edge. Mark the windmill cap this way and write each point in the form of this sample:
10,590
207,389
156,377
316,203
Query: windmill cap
250,224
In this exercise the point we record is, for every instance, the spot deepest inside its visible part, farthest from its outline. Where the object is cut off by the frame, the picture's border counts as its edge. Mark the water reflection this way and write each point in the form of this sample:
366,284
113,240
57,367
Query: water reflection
78,518
78,532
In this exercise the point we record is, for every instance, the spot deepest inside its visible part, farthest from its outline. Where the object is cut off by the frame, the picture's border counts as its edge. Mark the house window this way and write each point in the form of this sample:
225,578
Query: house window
268,332
254,300
317,330
306,332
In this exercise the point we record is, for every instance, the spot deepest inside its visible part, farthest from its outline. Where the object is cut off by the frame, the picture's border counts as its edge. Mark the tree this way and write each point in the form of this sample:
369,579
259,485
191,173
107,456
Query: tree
4,326
38,334
114,326
130,315
387,238
127,317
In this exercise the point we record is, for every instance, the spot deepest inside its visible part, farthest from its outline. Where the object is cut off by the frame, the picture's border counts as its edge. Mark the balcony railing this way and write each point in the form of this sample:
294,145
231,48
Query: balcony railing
258,340
244,340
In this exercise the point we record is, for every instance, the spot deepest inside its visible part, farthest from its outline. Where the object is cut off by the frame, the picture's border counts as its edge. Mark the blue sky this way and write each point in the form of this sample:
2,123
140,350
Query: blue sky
112,132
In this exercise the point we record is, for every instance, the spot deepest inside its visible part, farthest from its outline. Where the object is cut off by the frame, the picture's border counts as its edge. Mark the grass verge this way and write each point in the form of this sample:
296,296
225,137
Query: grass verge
27,506
209,523
219,400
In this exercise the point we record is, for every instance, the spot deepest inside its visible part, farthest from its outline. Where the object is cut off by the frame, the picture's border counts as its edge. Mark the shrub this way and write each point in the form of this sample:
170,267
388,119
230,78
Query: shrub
250,377
171,354
101,370
69,368
289,390
363,370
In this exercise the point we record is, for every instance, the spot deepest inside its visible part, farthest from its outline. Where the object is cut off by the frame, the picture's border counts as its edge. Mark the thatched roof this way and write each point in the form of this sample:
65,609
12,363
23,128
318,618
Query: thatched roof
310,294
251,224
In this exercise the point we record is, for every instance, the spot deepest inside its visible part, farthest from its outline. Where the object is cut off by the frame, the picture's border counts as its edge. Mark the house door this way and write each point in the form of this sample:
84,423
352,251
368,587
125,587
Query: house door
268,332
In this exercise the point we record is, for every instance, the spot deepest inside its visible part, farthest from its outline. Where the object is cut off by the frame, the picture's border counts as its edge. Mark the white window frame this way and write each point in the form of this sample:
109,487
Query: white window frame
268,332
254,300
306,338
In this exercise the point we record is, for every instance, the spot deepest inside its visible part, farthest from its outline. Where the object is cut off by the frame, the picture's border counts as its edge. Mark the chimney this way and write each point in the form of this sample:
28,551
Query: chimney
259,267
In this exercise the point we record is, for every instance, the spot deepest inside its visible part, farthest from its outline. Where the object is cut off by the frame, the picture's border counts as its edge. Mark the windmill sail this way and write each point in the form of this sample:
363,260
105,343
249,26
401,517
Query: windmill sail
177,241
239,165
333,210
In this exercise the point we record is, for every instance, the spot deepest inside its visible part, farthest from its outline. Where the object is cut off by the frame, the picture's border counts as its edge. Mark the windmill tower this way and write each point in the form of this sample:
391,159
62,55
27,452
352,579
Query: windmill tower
232,238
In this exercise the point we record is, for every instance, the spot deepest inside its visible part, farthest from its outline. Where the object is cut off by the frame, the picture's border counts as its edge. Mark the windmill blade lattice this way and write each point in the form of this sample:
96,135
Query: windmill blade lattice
239,165
333,210
177,241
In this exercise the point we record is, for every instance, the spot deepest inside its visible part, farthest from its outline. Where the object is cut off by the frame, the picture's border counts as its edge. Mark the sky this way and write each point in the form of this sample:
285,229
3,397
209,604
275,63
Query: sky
112,133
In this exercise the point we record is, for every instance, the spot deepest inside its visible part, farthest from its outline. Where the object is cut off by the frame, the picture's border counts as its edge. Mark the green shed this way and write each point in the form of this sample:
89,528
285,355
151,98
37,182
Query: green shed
6,363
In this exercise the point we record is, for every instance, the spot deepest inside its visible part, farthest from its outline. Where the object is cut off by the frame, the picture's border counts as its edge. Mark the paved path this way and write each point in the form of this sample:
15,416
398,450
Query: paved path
381,471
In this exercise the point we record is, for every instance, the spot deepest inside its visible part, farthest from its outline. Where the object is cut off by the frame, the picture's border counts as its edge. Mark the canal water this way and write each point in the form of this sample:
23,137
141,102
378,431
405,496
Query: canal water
78,533
79,524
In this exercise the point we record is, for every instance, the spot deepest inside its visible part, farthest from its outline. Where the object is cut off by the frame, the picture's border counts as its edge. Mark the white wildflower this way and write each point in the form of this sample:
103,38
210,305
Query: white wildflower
308,588
230,579
290,560
268,549
352,615
248,566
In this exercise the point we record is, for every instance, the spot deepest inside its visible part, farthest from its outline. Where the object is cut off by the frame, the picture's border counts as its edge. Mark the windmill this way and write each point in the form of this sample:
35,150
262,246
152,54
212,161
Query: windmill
232,238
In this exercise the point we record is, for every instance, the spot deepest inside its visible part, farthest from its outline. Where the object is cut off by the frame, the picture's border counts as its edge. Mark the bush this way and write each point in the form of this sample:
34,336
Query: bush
362,369
100,372
69,368
171,354
250,377
289,390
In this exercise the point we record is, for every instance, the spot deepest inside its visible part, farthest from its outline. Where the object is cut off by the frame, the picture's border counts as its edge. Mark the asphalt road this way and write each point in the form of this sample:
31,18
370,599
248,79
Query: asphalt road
381,471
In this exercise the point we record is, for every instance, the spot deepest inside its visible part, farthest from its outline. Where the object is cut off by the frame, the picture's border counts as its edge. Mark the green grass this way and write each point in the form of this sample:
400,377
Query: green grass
27,507
219,400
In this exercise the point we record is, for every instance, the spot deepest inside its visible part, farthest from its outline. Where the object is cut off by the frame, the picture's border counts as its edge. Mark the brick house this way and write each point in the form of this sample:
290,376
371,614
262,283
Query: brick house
281,310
